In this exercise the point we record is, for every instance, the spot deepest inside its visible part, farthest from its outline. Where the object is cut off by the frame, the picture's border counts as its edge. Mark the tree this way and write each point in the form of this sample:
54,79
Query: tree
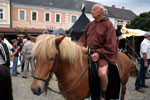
141,22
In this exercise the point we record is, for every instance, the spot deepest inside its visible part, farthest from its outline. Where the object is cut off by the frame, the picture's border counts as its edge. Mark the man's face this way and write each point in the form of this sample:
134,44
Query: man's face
96,12
148,37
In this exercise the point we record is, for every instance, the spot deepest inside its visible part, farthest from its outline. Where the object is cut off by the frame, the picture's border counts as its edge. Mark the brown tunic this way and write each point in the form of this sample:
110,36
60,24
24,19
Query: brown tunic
101,38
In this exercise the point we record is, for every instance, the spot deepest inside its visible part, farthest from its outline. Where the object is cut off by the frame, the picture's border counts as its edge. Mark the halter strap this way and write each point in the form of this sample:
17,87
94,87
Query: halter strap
49,77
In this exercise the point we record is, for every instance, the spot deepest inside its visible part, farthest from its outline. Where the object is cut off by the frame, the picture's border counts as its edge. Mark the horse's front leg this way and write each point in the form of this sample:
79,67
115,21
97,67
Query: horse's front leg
123,91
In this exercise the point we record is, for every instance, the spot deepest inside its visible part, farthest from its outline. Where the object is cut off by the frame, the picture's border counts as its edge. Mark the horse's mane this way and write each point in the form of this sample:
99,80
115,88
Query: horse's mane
45,48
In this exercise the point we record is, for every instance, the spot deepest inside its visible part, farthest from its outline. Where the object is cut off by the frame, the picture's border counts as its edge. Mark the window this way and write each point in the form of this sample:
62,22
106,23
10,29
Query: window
34,16
58,18
47,17
73,19
106,11
22,15
1,14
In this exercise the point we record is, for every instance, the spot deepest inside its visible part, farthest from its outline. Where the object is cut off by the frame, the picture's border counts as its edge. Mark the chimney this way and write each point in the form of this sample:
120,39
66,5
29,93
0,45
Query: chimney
123,7
113,6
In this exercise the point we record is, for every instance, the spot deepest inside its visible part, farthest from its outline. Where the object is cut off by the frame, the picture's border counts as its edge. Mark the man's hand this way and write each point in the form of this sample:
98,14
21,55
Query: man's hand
95,57
145,64
84,49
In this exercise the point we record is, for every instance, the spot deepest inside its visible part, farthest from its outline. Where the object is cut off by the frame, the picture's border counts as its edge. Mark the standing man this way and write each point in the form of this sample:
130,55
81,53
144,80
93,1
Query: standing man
5,77
27,57
145,61
100,35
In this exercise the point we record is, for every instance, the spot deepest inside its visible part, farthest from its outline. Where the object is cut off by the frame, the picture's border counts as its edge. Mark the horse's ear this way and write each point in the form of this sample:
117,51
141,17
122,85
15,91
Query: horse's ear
32,38
59,39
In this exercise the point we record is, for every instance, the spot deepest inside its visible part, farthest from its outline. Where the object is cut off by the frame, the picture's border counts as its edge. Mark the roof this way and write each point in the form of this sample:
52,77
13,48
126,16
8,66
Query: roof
77,5
121,13
112,12
62,4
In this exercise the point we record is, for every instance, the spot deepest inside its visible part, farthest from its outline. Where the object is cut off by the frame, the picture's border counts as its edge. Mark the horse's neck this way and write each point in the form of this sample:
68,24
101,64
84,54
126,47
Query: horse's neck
66,72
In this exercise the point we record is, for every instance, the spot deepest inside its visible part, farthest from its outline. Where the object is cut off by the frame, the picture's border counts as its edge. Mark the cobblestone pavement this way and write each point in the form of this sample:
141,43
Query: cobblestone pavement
22,91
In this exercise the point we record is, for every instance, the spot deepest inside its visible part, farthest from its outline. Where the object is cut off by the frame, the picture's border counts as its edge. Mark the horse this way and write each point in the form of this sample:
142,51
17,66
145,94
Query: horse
67,60
5,83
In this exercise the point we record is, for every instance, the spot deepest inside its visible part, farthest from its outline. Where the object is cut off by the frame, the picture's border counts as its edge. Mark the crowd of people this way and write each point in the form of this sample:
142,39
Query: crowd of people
16,49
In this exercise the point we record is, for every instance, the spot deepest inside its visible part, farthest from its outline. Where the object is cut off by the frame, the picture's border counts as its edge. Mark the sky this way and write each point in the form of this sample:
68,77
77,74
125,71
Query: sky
137,6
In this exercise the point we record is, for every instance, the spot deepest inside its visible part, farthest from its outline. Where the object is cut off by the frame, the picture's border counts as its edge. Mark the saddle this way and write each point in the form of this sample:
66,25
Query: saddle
114,84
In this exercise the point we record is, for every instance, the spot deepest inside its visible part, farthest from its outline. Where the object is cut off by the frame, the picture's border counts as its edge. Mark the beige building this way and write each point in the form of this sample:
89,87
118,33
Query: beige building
4,13
41,15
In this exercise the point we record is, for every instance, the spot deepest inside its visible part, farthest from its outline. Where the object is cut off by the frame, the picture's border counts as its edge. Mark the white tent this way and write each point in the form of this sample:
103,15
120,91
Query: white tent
131,32
59,31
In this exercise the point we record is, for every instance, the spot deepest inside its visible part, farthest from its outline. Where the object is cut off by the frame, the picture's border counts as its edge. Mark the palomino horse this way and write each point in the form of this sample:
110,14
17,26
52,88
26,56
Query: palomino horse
68,62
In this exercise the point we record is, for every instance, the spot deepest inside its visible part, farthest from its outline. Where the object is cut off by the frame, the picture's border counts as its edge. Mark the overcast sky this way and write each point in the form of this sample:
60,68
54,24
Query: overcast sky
137,6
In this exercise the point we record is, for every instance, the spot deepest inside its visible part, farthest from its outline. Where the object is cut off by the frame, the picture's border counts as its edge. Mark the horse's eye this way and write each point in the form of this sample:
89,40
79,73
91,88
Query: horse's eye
51,59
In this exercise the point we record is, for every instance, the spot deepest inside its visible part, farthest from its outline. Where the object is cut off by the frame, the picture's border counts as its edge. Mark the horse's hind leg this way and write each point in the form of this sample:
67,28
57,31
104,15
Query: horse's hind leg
123,91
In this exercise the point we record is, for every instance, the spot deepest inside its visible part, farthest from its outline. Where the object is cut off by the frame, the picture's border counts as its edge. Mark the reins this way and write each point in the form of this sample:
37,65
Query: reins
50,76
75,84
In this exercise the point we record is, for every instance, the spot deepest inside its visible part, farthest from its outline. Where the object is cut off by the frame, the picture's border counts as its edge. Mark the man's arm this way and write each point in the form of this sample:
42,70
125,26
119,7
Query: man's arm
108,53
145,59
23,53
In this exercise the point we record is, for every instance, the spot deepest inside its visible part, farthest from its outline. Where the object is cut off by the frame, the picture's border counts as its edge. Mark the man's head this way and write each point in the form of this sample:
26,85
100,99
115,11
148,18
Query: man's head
147,35
97,11
14,42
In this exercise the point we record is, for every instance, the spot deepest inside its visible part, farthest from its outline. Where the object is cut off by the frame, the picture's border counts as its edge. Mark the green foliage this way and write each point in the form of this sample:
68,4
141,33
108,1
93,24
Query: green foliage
141,22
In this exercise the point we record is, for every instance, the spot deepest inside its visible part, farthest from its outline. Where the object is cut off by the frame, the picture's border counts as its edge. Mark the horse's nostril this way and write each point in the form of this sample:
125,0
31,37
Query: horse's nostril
39,90
36,91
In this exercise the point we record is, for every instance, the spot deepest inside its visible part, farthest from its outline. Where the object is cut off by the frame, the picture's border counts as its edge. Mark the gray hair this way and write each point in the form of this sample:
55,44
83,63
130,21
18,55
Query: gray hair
101,7
147,34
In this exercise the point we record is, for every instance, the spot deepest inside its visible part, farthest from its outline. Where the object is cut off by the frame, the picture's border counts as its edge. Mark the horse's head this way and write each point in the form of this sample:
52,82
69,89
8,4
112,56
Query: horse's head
45,51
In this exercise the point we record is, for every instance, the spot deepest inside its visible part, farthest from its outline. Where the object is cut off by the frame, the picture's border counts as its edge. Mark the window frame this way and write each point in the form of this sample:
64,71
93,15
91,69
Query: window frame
60,17
49,16
36,16
19,15
3,13
71,18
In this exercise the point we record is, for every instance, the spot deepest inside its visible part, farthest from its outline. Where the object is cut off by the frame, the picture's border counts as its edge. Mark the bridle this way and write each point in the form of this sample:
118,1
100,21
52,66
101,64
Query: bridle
50,76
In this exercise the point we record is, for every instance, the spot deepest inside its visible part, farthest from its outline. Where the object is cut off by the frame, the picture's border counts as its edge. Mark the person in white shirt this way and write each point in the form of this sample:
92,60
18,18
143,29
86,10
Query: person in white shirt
27,57
8,44
145,62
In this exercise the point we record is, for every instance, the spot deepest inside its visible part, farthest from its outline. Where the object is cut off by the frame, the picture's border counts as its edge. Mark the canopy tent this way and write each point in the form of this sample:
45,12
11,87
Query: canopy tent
132,32
78,28
59,31
130,40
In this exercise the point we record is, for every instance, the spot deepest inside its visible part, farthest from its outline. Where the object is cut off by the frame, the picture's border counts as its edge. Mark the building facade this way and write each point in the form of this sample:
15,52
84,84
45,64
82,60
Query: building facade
5,13
54,14
35,16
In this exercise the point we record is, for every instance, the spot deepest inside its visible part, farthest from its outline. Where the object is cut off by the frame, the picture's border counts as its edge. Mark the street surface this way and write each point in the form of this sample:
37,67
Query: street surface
22,90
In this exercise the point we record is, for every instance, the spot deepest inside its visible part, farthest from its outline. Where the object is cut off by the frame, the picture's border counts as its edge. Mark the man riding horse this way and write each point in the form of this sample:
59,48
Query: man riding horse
100,36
